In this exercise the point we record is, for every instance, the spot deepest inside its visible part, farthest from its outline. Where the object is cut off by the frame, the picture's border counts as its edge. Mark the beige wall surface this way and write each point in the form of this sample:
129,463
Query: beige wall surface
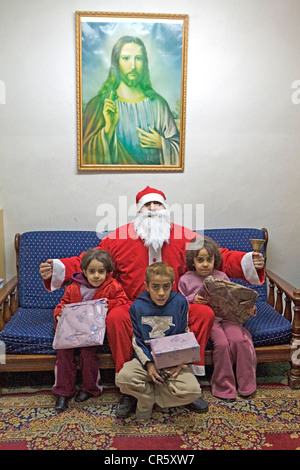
2,250
242,139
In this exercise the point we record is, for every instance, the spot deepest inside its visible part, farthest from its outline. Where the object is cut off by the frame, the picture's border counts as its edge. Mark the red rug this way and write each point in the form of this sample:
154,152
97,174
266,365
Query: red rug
270,420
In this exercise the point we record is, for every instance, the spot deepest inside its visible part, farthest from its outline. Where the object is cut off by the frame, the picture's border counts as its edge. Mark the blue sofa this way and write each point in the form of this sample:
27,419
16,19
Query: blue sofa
26,319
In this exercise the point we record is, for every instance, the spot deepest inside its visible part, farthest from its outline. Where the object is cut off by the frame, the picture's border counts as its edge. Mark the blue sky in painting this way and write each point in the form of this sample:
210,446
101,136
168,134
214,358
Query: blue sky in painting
163,42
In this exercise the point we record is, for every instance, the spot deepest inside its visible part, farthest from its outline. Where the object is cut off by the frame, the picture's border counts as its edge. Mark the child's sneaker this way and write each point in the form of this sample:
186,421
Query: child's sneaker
199,406
143,415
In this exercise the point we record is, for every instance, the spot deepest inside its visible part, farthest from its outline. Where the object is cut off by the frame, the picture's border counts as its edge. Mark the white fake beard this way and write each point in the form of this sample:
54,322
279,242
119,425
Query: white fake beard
153,227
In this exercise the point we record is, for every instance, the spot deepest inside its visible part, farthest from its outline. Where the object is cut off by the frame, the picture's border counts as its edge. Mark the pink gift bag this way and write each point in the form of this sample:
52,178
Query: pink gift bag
81,325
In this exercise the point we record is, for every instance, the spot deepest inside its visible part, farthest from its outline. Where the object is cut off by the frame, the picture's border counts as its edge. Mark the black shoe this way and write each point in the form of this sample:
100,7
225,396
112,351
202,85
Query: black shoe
199,406
126,406
61,403
82,396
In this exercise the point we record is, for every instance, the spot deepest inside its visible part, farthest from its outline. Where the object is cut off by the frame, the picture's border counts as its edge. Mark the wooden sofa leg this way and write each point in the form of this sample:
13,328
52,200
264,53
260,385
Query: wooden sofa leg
294,379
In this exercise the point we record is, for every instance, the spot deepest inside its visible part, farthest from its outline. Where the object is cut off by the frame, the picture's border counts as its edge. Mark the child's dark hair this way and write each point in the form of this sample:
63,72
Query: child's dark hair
159,269
100,255
196,245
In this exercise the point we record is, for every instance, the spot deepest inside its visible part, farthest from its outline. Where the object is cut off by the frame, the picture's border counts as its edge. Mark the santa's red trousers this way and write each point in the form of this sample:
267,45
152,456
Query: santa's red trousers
119,331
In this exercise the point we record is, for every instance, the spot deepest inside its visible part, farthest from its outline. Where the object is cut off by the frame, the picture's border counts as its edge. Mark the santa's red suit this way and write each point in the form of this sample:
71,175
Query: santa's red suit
131,259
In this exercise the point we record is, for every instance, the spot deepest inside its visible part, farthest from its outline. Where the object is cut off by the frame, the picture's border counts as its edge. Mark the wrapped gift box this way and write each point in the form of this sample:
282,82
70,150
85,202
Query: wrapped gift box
229,300
169,351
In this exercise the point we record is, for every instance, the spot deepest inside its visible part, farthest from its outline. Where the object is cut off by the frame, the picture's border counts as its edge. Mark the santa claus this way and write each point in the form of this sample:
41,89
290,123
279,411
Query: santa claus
149,238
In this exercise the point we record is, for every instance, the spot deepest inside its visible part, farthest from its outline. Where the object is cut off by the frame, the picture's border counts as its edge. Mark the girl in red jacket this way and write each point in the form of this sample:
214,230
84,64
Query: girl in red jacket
94,282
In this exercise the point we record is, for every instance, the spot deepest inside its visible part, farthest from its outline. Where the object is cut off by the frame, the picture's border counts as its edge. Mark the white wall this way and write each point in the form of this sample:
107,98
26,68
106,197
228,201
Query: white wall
242,128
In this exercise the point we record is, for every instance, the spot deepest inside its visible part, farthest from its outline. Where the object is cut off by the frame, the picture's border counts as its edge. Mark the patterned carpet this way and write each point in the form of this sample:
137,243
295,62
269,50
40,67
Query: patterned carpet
270,420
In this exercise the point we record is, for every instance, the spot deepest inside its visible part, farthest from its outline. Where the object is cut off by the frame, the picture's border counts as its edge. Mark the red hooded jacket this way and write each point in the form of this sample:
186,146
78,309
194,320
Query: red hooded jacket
110,289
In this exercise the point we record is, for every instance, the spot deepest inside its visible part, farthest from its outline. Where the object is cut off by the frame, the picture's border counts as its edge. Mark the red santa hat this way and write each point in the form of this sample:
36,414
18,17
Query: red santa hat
149,194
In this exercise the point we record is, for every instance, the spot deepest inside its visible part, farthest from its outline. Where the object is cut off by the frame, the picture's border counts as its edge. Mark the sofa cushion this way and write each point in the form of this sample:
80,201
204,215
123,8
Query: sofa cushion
235,238
31,331
37,247
268,327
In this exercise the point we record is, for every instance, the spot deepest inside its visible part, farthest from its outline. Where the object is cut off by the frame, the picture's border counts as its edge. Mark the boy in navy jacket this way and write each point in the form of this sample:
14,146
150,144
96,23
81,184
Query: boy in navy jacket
157,312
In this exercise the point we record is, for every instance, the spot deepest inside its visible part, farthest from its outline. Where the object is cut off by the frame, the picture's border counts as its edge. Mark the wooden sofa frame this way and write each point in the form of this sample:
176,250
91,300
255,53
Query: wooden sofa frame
289,306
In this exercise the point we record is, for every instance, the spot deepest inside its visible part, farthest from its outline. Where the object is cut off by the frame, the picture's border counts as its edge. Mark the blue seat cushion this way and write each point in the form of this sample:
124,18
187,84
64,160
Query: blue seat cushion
268,327
30,331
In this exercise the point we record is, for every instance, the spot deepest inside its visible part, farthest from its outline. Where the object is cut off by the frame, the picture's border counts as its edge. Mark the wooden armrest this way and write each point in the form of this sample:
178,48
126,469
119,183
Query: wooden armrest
286,287
291,313
8,288
291,307
8,301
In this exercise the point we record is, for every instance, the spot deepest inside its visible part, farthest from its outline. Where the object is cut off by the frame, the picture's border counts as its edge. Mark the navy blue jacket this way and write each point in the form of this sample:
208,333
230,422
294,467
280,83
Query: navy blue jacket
154,321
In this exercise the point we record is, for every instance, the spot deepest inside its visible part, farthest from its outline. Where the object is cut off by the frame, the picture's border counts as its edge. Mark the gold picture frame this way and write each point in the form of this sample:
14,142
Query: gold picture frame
131,91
